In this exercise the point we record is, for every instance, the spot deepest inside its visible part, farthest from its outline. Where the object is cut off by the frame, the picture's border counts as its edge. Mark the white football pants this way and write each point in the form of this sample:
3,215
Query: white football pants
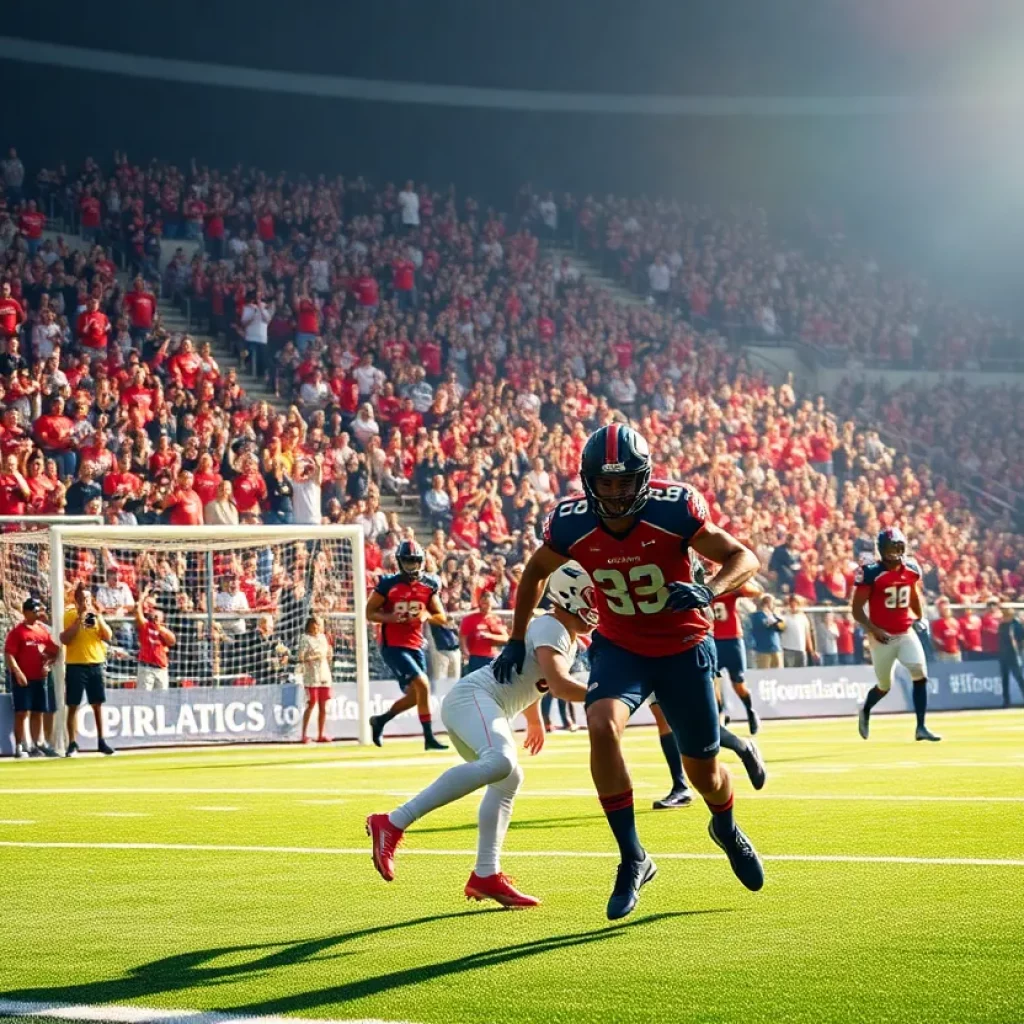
482,735
906,649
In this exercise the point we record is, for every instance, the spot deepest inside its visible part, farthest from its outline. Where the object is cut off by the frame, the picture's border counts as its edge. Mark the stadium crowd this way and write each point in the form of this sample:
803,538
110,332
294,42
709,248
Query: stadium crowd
426,346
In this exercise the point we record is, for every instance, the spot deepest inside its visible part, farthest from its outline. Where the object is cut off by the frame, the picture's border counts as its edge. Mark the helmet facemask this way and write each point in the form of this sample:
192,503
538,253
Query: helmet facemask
618,495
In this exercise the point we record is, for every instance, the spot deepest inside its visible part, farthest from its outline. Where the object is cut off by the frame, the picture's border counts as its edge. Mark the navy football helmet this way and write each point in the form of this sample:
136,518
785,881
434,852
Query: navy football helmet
410,559
619,453
892,545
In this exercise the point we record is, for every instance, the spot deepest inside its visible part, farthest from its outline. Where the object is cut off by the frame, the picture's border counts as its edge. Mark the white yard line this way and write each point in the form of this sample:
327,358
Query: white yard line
145,1015
346,851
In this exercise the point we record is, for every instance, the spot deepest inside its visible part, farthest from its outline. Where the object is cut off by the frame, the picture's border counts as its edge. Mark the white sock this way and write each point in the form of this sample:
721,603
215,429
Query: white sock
454,784
495,816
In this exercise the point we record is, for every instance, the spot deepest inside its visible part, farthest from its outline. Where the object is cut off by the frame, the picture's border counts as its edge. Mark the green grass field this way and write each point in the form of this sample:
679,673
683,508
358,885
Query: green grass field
251,889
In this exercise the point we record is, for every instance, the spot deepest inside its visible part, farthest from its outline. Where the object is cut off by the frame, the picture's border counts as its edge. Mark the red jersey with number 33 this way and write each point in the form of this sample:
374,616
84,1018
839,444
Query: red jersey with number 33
727,618
889,594
409,597
630,572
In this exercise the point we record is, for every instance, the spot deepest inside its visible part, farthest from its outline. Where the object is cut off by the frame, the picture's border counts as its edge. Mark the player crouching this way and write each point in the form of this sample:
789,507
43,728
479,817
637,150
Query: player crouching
478,714
887,603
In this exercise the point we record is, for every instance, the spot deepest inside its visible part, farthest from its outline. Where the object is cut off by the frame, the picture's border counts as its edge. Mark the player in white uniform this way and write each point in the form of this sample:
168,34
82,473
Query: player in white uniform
478,714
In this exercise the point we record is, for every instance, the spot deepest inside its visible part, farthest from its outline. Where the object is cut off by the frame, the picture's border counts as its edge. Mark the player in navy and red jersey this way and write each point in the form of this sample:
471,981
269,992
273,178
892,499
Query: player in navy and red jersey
729,647
637,539
887,603
402,603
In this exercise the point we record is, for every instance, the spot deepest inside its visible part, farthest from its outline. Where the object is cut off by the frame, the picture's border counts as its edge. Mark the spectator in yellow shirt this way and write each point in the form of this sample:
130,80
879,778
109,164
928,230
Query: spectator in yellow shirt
85,638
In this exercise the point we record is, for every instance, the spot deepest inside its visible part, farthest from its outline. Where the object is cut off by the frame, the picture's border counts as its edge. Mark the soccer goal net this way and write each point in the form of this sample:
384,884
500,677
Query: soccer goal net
236,601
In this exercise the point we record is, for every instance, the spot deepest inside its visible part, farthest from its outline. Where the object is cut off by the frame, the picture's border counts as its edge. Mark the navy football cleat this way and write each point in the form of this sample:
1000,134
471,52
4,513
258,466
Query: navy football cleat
923,733
743,859
377,729
864,724
677,798
754,764
630,878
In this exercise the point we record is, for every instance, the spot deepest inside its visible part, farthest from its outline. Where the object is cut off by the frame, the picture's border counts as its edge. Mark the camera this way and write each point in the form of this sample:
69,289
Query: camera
90,619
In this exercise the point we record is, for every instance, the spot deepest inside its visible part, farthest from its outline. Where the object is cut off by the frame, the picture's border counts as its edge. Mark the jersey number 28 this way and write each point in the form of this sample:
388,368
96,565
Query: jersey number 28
897,597
644,592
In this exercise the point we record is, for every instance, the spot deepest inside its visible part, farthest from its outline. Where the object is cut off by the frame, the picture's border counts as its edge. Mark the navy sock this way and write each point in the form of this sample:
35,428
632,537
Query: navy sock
670,749
386,716
428,728
730,741
873,697
618,810
920,700
722,819
747,702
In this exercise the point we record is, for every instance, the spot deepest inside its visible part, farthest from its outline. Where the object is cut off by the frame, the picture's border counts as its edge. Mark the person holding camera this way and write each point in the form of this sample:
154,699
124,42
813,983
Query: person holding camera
85,637
155,642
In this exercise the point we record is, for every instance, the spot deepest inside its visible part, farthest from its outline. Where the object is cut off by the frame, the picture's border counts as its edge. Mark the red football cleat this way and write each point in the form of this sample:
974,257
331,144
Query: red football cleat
385,841
499,888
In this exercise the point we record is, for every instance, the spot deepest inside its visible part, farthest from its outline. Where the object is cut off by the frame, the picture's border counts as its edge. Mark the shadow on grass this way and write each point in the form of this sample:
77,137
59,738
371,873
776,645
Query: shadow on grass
517,823
196,969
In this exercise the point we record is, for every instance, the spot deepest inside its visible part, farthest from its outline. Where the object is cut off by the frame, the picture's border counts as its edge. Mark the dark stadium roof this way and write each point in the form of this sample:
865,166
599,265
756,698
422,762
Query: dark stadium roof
667,47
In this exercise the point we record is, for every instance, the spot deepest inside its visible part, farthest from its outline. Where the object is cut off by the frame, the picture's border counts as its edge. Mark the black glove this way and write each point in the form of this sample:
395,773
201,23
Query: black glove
510,661
686,597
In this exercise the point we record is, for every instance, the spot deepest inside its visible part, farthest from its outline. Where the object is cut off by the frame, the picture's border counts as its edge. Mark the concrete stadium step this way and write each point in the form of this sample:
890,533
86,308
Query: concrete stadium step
592,272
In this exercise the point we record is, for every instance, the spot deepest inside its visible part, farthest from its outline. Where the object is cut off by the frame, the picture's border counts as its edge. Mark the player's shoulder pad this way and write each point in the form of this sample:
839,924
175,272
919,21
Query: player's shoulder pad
676,507
910,564
867,574
430,580
569,521
387,583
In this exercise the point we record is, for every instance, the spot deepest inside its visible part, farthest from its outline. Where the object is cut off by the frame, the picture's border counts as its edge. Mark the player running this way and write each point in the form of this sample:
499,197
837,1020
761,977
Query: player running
636,538
729,648
402,603
887,603
478,713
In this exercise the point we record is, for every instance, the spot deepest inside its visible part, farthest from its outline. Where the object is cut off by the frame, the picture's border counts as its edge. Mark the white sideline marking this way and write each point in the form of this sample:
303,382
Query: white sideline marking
348,851
217,810
378,762
145,1015
117,814
322,803
17,821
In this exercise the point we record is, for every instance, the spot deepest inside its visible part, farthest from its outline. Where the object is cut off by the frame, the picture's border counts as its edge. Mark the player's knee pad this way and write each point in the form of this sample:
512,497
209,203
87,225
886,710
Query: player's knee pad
499,764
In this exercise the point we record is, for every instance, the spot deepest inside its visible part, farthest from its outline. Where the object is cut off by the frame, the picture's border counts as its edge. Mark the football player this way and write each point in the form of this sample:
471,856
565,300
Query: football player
637,539
402,603
478,715
887,603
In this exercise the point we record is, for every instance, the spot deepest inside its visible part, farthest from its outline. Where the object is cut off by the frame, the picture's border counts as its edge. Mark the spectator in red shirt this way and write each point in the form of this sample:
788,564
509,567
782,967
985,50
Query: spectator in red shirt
140,305
122,482
403,281
12,313
31,224
946,632
90,212
183,505
155,642
481,633
93,326
14,490
53,435
970,635
206,479
165,457
186,365
367,291
844,641
990,629
308,322
29,651
249,488
408,421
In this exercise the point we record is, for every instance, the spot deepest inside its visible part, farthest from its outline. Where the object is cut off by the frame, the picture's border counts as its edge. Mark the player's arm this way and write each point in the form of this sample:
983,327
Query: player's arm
535,732
434,614
543,562
561,684
737,563
916,603
858,609
375,610
751,589
168,638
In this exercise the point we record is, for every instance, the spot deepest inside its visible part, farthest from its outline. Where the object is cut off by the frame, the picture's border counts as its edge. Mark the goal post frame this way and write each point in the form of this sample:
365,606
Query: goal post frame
60,536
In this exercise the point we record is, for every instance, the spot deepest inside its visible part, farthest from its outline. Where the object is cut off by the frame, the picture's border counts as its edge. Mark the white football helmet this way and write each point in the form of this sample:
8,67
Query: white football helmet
570,588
